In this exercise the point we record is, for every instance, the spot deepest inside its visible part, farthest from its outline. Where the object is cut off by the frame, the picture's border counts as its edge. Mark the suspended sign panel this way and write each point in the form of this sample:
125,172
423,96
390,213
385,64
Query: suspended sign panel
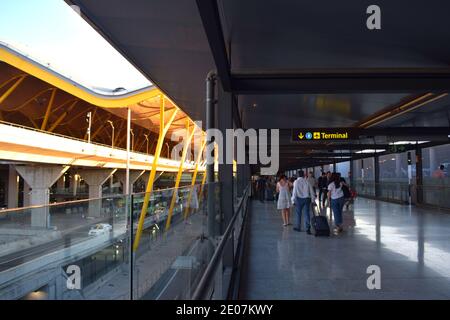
323,134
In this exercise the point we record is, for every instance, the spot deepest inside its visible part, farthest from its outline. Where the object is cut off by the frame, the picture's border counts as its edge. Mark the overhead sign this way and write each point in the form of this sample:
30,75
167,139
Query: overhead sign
320,134
397,148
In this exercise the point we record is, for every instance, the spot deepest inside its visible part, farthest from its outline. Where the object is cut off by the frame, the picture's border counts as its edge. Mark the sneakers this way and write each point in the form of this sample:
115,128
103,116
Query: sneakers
308,231
297,229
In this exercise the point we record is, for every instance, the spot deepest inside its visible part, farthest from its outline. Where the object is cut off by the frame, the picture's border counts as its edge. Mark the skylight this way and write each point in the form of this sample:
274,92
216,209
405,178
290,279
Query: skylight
51,33
371,151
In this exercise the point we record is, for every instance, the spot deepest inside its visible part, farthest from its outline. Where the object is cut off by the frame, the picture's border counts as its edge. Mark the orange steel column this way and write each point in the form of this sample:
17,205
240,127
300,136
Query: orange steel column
163,128
180,172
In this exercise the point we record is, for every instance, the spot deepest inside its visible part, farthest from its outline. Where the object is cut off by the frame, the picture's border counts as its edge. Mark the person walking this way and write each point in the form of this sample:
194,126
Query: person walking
302,195
312,181
336,200
261,188
321,185
325,188
284,199
439,173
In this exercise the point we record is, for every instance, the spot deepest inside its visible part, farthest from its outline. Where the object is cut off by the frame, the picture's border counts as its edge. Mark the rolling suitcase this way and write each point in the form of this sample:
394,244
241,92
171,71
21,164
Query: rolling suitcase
319,224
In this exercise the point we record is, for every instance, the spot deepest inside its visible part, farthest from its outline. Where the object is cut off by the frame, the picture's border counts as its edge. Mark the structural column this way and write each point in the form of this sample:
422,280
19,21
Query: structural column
241,179
225,121
13,187
134,175
419,175
351,175
376,163
210,124
95,178
40,179
26,194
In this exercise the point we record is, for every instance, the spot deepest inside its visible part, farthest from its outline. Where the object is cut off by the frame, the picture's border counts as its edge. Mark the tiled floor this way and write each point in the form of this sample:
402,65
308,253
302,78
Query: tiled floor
410,245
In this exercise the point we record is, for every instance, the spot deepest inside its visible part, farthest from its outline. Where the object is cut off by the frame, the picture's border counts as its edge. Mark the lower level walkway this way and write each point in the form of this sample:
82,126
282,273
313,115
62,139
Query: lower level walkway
410,245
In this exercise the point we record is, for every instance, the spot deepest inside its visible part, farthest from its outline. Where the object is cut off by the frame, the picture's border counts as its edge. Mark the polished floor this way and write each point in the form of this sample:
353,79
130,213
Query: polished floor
410,245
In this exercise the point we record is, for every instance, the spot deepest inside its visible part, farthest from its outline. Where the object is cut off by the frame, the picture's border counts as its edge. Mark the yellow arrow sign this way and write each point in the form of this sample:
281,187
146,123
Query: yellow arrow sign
301,136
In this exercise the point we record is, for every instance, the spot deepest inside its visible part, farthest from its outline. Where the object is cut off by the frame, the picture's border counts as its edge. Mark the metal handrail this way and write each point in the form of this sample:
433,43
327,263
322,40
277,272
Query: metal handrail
211,268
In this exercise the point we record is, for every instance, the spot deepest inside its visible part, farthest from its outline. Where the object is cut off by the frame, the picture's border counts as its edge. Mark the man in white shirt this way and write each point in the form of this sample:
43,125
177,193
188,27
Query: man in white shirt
302,195
312,181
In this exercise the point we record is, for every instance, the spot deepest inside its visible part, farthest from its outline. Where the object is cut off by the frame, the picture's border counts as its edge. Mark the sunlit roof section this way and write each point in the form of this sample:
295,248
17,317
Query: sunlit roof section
51,33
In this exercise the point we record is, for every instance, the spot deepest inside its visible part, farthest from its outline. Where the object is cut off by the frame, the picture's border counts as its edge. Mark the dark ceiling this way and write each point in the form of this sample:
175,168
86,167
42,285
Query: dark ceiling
166,40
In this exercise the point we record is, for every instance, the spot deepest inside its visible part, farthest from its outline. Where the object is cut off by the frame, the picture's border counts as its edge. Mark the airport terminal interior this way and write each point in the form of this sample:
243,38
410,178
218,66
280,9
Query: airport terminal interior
224,150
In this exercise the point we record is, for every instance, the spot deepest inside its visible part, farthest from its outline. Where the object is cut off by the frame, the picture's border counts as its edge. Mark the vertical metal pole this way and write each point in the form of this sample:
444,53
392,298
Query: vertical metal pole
89,115
210,123
409,177
419,175
376,163
128,201
130,208
127,175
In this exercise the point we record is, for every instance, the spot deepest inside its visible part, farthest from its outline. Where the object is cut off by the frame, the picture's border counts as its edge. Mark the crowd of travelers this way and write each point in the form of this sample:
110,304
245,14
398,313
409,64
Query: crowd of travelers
306,195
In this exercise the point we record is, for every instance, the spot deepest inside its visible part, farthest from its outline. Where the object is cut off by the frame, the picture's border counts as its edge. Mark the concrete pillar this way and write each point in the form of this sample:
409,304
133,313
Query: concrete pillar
74,182
95,178
40,179
134,175
60,184
26,194
13,187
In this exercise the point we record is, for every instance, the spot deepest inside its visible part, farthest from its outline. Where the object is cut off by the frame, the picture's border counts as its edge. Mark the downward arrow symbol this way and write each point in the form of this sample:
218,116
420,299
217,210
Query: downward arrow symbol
301,136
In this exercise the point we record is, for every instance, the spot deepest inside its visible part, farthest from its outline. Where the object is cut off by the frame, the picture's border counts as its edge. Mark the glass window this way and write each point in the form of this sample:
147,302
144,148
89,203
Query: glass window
394,167
433,158
343,168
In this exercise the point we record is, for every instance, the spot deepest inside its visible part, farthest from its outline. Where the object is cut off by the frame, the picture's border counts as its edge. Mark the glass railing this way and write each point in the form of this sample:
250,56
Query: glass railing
390,191
83,249
435,195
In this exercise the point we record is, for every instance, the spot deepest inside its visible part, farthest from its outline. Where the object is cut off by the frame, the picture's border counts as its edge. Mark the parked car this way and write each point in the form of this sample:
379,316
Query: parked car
99,229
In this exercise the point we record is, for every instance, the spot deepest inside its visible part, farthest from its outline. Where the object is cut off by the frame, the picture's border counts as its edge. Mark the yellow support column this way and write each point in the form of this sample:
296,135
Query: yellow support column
49,108
179,174
13,87
61,117
194,178
162,132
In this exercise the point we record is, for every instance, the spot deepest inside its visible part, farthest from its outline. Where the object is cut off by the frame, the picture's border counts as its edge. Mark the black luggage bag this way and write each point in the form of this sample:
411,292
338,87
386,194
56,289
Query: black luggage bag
319,224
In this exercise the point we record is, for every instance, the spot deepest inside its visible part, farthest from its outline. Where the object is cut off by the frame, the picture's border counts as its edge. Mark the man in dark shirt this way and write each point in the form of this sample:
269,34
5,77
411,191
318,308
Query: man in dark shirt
321,182
261,188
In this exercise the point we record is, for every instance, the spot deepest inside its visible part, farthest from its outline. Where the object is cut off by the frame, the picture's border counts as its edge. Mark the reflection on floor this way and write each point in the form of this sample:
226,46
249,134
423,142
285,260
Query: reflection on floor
410,245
